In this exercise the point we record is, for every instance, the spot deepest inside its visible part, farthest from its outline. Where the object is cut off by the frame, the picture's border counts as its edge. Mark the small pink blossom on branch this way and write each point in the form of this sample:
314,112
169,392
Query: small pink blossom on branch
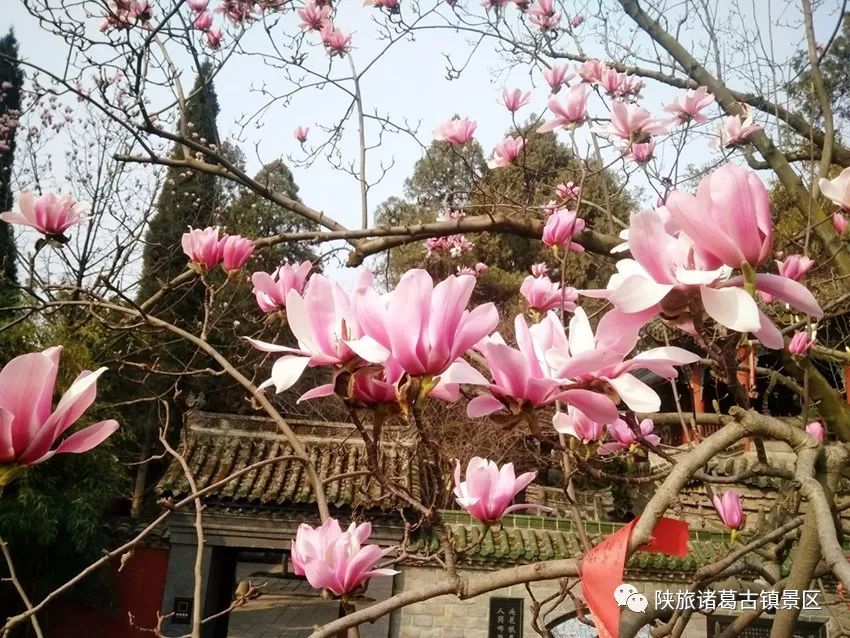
203,21
795,266
577,424
457,131
271,289
560,229
839,223
336,41
313,16
49,214
543,294
557,76
624,436
633,123
198,5
515,100
335,560
571,112
301,133
213,37
736,130
202,247
689,106
235,252
591,71
640,152
487,491
506,152
729,509
29,426
816,429
568,190
800,343
544,16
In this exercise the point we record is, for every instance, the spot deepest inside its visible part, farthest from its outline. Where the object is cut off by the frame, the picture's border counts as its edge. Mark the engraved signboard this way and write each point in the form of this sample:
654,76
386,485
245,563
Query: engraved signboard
506,617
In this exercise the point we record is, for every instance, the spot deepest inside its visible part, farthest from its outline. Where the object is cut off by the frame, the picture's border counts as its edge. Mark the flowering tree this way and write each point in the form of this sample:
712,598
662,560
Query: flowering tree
701,274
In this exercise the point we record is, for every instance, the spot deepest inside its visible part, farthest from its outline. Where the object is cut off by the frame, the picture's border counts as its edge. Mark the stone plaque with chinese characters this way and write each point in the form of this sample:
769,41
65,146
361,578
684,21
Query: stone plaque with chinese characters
506,617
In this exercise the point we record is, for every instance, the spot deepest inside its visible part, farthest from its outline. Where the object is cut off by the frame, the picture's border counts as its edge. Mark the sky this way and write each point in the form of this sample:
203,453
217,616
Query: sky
408,83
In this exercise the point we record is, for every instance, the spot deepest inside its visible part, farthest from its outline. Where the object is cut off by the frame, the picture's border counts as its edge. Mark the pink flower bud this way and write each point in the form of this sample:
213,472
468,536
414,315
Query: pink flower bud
202,247
795,266
204,21
816,430
235,252
839,223
301,133
560,229
729,509
800,343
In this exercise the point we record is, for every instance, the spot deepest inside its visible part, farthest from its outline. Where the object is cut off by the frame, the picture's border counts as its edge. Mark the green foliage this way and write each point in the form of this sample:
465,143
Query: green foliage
10,106
836,78
448,175
188,198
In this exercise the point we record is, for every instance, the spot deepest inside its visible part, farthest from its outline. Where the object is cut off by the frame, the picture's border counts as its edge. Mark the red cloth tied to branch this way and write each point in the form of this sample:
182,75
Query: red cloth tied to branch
603,566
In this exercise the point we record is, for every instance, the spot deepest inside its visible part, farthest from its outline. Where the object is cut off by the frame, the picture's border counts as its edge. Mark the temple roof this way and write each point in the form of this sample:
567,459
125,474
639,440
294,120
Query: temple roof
217,445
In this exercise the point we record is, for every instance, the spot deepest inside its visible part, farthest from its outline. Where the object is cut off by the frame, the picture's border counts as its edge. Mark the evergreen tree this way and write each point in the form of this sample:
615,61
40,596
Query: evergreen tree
11,81
188,198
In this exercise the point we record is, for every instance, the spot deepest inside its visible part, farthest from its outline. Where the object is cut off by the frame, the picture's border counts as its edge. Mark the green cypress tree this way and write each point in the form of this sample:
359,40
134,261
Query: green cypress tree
11,80
188,198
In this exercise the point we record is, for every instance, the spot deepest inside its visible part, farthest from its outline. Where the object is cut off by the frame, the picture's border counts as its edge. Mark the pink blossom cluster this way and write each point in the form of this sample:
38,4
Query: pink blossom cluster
335,560
543,15
203,21
124,14
30,427
455,244
206,250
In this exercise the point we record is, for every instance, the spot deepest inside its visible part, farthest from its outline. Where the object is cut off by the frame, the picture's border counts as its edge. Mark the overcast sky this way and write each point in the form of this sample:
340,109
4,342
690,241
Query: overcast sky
408,83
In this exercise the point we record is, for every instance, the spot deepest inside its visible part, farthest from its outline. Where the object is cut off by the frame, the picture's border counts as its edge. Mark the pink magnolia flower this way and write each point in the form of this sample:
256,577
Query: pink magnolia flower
618,84
203,21
557,76
336,41
800,343
669,275
487,491
324,324
335,560
301,133
641,152
728,507
235,252
577,21
689,106
561,227
424,328
539,270
506,152
591,71
815,428
624,437
568,190
837,189
238,11
598,361
515,100
202,247
213,38
736,130
198,5
29,426
457,131
271,289
313,16
839,223
48,214
633,123
729,218
544,16
576,423
390,5
543,294
795,266
572,112
479,269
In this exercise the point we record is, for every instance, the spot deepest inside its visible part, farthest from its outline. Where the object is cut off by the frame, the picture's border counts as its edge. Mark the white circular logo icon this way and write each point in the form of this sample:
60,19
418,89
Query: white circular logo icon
637,603
623,592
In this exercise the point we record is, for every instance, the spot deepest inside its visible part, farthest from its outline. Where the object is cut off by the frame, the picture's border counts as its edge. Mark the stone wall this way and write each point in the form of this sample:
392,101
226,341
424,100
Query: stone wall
448,617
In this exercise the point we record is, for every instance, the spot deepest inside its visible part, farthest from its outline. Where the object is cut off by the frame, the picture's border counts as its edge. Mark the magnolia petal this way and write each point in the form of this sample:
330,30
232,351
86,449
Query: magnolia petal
7,448
731,307
272,347
286,371
596,406
462,372
636,394
318,392
82,441
369,349
636,293
768,334
483,405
